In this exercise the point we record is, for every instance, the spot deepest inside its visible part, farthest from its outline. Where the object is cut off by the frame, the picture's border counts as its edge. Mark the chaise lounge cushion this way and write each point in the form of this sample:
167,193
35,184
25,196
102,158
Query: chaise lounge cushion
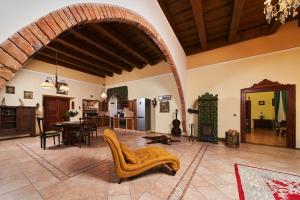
149,157
129,155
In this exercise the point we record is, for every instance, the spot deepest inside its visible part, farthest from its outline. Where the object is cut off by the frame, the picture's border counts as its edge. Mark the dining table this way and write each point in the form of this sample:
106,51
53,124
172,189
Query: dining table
68,128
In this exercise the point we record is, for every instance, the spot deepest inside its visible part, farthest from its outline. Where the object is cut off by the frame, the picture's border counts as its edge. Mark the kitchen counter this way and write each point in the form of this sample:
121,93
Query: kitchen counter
124,122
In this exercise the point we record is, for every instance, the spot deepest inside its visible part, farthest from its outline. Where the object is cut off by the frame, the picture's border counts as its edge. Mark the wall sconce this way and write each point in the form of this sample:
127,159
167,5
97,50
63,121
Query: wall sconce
154,102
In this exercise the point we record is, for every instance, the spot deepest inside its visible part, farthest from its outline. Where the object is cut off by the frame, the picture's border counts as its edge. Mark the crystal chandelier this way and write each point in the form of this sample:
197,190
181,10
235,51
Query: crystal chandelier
280,10
104,95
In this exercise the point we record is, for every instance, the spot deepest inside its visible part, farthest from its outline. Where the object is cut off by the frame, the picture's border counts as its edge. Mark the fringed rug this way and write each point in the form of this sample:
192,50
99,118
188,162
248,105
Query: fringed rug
263,184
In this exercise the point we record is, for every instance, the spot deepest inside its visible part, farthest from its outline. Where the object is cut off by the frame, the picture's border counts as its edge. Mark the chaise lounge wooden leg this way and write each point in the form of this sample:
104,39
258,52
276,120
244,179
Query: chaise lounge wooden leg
173,172
120,181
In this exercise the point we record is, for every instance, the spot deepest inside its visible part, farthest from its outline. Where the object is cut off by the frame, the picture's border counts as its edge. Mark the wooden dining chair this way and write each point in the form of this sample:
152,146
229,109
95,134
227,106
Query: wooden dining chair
82,133
91,123
46,134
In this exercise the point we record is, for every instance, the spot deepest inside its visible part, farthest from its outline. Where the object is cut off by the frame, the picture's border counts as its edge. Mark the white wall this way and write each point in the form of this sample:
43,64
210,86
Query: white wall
27,80
228,78
15,14
151,88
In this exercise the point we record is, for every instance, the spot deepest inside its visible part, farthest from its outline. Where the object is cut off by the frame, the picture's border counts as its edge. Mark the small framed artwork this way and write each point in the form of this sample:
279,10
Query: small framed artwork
261,103
164,107
28,95
10,90
165,98
58,91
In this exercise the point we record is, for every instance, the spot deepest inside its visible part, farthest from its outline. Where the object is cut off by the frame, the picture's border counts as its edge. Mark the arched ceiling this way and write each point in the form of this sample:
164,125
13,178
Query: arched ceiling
101,49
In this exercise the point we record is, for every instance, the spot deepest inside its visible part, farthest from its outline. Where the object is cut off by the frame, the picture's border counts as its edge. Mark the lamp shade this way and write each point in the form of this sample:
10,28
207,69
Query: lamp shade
64,87
103,95
47,85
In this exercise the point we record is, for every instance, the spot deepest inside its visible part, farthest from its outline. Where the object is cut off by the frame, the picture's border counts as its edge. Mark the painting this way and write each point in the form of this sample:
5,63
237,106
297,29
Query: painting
164,107
10,90
261,103
28,95
58,91
165,98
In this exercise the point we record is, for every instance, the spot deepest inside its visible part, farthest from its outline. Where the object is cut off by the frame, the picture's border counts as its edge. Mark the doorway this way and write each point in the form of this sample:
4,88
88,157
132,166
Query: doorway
266,118
268,114
54,110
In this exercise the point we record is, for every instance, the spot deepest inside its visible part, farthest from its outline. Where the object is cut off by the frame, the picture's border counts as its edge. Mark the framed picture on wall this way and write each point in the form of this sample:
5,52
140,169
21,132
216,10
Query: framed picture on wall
165,98
261,103
164,107
10,90
28,95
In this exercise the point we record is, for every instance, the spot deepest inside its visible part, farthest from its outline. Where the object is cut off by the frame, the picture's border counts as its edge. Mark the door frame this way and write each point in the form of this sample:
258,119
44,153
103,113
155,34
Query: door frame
265,86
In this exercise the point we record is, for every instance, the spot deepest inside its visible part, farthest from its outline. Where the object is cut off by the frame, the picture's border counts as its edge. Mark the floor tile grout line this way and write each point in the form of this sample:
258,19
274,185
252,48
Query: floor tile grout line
60,178
181,178
65,175
193,174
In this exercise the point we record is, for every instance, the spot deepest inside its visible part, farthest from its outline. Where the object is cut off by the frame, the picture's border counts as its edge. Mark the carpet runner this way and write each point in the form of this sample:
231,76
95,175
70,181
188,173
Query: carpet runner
263,184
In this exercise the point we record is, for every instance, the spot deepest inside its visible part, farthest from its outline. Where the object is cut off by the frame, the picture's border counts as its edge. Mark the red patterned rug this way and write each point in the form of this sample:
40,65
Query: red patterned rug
263,184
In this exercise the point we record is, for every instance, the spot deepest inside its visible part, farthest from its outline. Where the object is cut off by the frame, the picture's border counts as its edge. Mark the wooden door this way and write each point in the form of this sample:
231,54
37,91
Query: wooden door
54,111
248,116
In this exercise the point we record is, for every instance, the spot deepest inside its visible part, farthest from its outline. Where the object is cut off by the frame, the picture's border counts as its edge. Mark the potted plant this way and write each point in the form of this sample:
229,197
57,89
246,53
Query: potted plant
71,114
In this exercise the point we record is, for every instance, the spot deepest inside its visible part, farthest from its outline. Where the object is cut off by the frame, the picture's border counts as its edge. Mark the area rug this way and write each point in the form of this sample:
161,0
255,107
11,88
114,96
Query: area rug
264,184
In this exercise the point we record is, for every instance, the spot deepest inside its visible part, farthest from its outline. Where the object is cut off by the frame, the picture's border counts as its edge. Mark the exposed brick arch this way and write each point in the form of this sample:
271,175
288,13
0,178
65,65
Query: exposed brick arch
17,49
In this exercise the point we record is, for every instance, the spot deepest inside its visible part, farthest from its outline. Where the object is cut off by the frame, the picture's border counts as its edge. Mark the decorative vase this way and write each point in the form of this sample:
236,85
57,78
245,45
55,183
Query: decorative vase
72,119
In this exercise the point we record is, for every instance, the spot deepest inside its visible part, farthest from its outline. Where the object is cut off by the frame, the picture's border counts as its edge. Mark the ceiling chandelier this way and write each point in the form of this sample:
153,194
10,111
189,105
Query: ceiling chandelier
280,10
50,83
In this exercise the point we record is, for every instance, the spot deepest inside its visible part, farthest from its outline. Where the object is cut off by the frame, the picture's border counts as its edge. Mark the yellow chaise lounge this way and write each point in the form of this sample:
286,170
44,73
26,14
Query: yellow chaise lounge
130,163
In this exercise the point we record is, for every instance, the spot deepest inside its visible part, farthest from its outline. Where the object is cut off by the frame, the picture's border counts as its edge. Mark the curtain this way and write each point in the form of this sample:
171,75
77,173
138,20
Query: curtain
277,101
284,95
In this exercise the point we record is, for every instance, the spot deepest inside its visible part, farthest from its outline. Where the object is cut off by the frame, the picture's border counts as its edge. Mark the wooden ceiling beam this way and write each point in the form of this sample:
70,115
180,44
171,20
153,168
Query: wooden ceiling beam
148,41
235,20
69,42
61,63
91,39
122,42
70,60
80,57
169,18
197,8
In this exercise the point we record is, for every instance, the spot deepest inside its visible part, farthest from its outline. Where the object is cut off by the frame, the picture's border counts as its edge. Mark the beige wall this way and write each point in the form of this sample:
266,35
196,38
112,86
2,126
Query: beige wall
136,74
151,88
28,80
47,68
288,36
228,78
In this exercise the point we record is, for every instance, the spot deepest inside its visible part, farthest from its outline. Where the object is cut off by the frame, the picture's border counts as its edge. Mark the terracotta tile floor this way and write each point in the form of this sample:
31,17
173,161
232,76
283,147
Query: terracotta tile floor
28,172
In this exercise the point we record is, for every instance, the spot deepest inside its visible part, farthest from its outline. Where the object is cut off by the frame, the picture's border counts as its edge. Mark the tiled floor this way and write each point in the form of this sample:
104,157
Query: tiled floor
28,172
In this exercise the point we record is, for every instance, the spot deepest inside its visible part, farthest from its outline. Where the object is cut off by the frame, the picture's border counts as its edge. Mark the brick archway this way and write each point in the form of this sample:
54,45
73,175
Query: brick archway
17,49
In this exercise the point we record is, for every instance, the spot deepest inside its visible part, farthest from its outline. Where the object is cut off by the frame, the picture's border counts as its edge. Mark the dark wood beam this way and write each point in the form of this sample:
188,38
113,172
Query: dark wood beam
299,16
169,18
84,49
61,63
72,61
60,49
197,8
122,42
148,41
93,40
235,20
253,33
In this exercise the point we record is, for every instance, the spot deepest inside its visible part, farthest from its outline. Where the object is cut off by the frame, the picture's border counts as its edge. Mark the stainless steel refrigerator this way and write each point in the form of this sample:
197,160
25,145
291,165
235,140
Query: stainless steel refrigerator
143,114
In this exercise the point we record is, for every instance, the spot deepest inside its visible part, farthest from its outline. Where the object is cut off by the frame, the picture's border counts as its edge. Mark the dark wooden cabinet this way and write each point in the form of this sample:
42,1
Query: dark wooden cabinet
103,106
17,120
262,123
